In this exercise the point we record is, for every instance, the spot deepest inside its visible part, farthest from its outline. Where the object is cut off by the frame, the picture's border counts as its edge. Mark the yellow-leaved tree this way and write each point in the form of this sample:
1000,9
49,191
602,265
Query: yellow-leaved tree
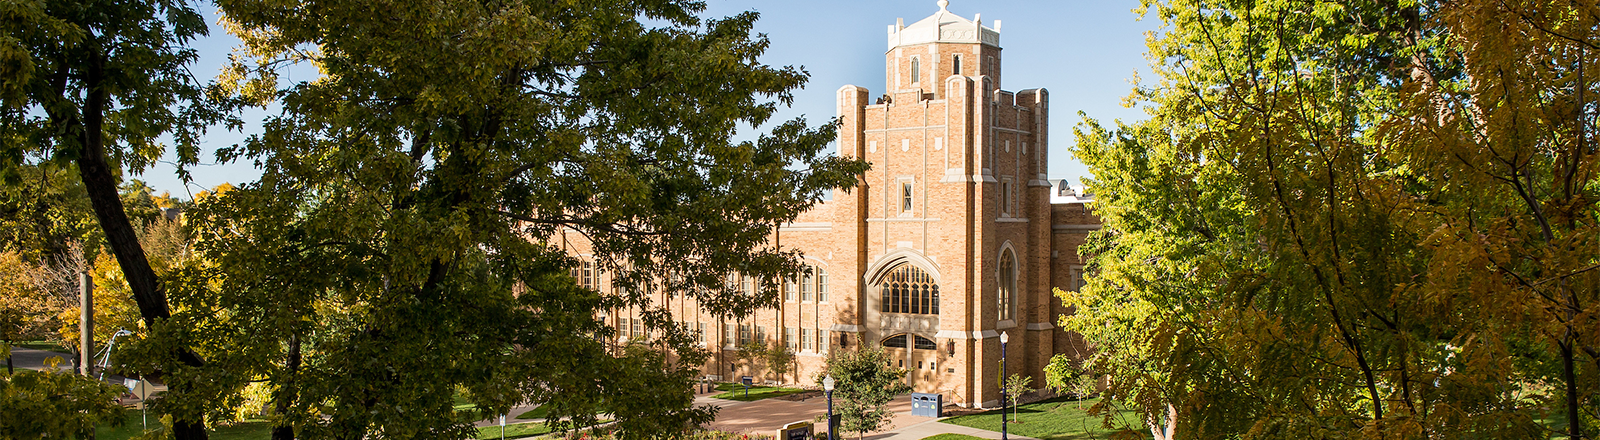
1353,219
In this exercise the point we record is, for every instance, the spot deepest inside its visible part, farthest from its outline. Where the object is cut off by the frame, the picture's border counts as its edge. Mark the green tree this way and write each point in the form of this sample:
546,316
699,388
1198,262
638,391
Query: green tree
1016,386
864,385
1340,220
101,88
56,404
405,238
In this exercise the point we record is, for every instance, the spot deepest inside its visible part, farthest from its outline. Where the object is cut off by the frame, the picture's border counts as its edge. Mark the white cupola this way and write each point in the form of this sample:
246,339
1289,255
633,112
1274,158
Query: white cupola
944,27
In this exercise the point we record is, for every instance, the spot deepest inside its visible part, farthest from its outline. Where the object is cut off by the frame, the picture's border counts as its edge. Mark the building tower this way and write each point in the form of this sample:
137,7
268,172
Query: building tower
951,228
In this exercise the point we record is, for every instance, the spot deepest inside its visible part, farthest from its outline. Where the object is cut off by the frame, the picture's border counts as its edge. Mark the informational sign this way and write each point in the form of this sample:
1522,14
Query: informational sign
795,431
747,380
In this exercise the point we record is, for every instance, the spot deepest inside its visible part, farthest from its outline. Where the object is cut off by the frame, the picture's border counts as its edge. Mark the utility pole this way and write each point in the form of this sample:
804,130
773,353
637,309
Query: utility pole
85,323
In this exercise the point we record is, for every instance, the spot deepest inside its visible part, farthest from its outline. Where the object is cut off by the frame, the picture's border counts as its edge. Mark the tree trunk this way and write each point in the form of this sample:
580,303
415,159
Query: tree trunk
1568,375
286,391
101,185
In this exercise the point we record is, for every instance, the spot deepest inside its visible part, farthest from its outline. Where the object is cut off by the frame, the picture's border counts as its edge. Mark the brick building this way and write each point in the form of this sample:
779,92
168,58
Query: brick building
955,235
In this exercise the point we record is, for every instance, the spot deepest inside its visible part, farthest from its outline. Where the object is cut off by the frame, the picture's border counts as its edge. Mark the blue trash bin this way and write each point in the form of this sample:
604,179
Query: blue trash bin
927,405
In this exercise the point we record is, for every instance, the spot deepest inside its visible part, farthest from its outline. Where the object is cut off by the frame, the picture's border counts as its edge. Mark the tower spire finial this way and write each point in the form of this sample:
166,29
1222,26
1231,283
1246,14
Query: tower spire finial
944,4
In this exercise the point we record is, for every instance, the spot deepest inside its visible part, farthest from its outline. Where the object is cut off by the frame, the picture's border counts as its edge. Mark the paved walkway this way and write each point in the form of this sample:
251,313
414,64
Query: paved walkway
766,416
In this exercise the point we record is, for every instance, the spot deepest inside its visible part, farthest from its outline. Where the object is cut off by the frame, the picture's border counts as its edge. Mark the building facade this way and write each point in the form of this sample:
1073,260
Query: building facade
954,236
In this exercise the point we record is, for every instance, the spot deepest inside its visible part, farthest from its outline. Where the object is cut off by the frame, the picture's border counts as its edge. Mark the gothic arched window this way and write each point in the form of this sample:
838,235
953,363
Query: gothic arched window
908,289
1008,285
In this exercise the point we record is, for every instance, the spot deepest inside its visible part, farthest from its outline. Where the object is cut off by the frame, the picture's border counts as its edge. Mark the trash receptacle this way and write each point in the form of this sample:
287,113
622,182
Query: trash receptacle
927,405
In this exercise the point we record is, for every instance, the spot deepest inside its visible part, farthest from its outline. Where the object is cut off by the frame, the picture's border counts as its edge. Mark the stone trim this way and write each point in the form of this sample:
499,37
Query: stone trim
1040,326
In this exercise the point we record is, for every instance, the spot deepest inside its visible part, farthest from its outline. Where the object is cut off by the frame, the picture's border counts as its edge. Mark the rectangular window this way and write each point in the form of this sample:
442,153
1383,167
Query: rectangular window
588,274
744,334
638,328
1078,280
905,197
727,335
807,339
788,290
806,287
700,333
789,340
822,287
956,69
761,335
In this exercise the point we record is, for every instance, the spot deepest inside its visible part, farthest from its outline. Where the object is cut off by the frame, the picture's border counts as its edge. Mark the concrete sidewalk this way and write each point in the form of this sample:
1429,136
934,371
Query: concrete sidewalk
766,416
932,427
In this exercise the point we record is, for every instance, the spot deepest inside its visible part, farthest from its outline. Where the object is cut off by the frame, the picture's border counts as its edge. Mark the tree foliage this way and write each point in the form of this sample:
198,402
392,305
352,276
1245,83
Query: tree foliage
102,88
1353,219
405,239
56,404
865,383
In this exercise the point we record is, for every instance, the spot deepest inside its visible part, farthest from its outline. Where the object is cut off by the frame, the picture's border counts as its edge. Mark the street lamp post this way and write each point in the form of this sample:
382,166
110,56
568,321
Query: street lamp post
1004,338
827,385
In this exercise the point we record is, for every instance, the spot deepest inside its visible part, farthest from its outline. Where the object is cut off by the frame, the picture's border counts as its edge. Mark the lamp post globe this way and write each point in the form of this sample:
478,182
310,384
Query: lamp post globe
827,386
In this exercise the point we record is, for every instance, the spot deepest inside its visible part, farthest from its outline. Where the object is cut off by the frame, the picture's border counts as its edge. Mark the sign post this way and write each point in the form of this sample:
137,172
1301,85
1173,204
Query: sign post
502,427
746,381
140,389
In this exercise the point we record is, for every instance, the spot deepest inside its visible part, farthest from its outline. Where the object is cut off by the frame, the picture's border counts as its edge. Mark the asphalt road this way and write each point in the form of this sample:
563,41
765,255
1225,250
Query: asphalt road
34,359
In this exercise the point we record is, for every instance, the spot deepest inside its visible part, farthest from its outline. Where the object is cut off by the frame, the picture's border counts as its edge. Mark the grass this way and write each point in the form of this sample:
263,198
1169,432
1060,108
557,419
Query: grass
42,345
735,391
1054,419
953,437
519,430
132,428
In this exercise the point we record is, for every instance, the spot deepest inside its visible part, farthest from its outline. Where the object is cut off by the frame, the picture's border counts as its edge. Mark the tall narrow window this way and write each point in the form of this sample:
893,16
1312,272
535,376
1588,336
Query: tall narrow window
1005,202
788,290
956,65
822,285
906,197
806,287
1008,286
916,70
789,339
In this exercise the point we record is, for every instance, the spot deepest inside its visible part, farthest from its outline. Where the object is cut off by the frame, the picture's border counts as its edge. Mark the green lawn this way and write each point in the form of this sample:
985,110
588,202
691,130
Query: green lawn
43,345
131,428
735,391
1054,419
516,431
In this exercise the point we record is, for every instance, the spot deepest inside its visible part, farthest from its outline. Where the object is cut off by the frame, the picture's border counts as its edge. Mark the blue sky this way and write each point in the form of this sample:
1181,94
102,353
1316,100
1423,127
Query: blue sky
1084,51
